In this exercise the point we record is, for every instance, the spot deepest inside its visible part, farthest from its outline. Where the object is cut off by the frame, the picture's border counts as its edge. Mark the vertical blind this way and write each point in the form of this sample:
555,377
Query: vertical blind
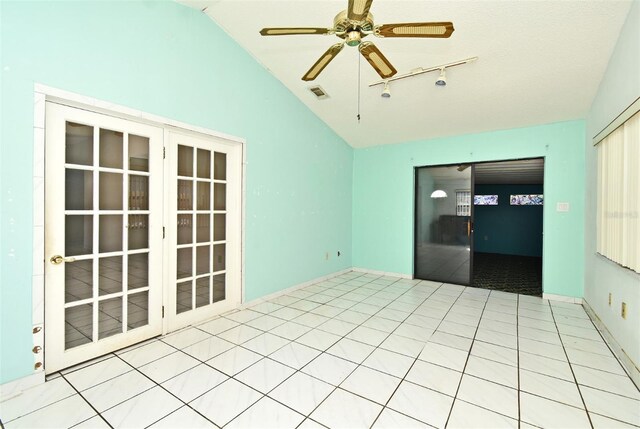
618,223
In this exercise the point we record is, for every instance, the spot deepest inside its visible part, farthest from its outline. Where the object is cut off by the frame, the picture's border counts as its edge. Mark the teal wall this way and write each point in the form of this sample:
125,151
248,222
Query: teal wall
619,88
166,59
383,183
507,229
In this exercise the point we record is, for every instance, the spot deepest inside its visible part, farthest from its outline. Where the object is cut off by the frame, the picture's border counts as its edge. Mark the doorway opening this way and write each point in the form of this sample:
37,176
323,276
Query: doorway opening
480,225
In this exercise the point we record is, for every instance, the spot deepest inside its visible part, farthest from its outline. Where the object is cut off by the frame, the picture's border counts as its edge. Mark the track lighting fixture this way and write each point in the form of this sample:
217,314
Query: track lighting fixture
442,79
386,92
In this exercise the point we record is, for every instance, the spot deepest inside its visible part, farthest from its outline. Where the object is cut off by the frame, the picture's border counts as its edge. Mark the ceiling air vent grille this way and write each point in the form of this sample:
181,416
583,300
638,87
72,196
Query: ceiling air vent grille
318,92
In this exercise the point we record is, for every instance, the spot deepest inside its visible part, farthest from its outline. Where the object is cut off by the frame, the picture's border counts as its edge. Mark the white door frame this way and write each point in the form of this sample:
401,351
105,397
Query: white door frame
43,93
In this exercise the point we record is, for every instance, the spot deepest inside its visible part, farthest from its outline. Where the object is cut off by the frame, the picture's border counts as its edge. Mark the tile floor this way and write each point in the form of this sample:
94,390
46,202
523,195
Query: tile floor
355,351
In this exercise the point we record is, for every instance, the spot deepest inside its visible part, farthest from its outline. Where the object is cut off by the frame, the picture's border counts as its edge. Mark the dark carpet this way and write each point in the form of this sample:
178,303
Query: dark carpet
508,273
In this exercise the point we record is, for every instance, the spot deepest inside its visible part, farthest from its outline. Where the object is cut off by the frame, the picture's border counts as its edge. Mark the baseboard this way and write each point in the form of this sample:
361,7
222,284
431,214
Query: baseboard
383,273
292,288
630,367
16,387
562,298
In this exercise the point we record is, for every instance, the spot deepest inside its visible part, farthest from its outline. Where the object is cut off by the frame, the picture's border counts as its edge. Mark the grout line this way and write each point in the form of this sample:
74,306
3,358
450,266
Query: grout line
85,400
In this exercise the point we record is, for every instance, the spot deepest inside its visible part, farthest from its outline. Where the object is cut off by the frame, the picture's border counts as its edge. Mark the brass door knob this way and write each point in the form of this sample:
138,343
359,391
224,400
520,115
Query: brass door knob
57,259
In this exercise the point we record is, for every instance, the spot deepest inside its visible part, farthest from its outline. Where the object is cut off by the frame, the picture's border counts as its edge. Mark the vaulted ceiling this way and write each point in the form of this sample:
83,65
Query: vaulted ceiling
539,62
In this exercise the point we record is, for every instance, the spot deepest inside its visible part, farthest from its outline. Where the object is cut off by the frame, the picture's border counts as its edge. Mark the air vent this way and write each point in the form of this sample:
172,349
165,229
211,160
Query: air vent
318,92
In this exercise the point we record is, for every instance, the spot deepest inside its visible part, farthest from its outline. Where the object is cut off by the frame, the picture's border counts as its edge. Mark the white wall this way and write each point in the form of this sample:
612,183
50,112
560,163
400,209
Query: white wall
619,88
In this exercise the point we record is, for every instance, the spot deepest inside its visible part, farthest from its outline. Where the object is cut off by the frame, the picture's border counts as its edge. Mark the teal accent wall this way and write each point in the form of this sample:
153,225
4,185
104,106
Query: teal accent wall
619,88
383,200
170,60
507,229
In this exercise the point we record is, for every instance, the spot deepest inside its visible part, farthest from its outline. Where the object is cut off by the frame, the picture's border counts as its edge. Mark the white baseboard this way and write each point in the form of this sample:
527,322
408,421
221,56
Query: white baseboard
562,298
16,387
382,273
629,366
292,288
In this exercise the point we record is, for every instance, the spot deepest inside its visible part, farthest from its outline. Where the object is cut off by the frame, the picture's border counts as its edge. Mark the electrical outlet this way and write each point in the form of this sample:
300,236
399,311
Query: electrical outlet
326,256
609,299
623,313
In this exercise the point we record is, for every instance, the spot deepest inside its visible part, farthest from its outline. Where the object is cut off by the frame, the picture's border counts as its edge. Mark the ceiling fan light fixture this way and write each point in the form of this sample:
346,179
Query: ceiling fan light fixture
442,79
386,92
354,38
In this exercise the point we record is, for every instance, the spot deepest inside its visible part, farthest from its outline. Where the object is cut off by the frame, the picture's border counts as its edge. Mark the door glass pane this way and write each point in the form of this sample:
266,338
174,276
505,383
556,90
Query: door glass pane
218,287
78,280
219,196
110,191
110,317
204,164
184,268
185,161
78,144
78,326
78,235
220,166
138,273
138,232
202,291
204,199
203,232
138,153
185,229
183,298
219,227
138,192
202,260
138,310
110,233
110,148
78,190
185,195
443,238
110,279
218,257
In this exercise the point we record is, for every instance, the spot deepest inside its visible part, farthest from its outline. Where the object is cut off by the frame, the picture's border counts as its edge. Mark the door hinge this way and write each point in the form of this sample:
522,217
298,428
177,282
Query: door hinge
163,234
164,152
163,311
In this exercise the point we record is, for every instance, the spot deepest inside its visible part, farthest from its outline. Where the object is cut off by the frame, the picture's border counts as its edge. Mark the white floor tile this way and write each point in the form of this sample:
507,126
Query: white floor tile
211,347
352,316
495,372
264,375
265,323
234,360
185,418
318,339
34,398
304,305
455,341
551,388
546,366
389,362
403,345
226,402
421,403
295,355
266,307
243,316
267,414
240,334
414,332
290,330
186,337
539,348
117,390
217,326
550,414
596,361
457,329
497,338
169,366
327,310
100,372
370,336
434,377
310,424
302,392
265,344
142,410
287,313
390,419
497,326
495,353
337,327
194,382
598,347
492,396
620,385
371,384
329,368
610,405
351,350
469,416
444,356
602,422
64,413
95,422
147,353
346,410
539,335
311,320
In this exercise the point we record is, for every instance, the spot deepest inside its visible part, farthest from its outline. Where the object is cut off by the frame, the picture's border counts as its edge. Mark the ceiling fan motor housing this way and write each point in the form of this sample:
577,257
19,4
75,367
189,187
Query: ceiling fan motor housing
352,31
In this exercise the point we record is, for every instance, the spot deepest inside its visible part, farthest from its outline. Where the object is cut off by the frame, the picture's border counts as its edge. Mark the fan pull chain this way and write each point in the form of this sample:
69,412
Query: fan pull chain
359,62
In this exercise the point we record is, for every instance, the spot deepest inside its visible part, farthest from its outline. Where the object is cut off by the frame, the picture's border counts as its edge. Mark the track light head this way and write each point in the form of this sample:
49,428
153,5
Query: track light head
442,79
386,92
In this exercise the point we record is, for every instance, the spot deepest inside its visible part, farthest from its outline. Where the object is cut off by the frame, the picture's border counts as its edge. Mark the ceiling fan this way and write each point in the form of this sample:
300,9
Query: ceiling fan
356,23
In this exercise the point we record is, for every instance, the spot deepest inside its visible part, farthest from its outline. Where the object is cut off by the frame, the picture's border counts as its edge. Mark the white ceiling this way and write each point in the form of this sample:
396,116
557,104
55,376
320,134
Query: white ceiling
540,62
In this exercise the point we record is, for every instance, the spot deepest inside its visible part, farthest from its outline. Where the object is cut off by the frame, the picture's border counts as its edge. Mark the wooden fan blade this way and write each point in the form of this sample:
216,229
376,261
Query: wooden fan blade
322,62
285,31
377,60
358,9
416,29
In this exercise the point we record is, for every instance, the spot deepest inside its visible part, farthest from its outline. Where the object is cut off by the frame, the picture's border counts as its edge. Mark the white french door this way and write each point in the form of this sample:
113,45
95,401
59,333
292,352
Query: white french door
103,234
204,262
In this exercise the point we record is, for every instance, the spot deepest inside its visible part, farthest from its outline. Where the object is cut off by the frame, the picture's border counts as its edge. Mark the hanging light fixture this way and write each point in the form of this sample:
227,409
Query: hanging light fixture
386,92
442,79
438,193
